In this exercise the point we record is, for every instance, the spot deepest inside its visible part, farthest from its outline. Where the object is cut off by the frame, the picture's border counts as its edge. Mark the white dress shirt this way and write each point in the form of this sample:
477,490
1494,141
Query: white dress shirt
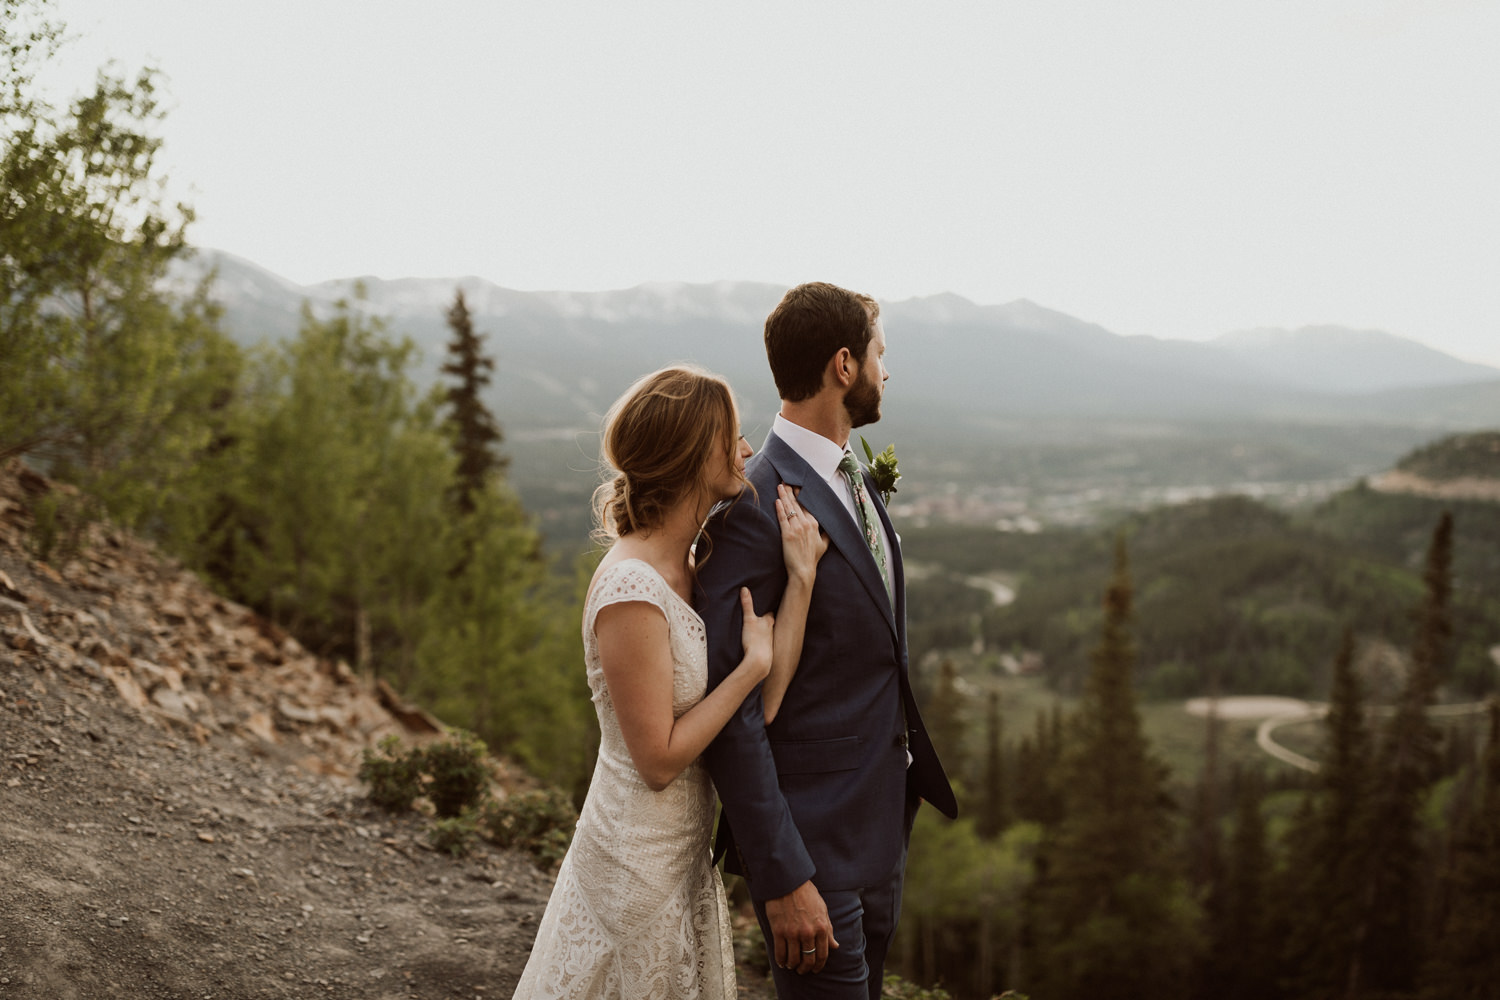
824,457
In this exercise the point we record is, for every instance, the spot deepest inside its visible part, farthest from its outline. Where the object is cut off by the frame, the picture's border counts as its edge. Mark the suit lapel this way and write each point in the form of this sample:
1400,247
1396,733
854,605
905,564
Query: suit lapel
843,533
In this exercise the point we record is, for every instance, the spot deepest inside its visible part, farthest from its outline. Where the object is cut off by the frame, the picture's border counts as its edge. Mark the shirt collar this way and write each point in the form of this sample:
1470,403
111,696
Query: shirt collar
816,450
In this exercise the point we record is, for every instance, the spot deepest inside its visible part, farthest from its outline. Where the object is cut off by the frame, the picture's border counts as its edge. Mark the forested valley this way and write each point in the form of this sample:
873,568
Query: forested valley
1110,844
1113,844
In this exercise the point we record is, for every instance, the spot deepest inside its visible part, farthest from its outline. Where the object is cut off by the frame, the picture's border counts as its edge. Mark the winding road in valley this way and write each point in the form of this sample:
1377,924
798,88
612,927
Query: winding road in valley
1275,713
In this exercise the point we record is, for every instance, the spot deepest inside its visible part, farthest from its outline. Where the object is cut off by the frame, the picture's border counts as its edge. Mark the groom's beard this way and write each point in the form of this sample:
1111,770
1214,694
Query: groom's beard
862,401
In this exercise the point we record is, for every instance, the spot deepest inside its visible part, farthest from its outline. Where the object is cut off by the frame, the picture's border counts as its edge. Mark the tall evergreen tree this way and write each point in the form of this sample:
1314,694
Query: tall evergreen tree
1242,961
1205,848
1035,770
1390,928
1325,881
476,433
946,722
1113,919
993,811
1465,961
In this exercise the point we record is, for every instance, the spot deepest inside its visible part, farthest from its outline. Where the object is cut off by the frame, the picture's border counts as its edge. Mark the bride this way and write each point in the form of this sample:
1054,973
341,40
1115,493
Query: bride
638,910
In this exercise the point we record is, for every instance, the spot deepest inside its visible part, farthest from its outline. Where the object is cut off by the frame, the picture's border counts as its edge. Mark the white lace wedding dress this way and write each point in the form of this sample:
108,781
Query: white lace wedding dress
638,910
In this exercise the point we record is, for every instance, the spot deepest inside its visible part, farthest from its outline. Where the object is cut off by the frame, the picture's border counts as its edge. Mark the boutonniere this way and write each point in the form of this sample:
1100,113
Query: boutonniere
882,469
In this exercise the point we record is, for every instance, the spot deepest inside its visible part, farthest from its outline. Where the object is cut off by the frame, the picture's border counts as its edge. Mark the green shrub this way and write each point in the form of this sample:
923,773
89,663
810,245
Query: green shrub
896,988
540,822
59,525
395,778
458,777
551,847
455,834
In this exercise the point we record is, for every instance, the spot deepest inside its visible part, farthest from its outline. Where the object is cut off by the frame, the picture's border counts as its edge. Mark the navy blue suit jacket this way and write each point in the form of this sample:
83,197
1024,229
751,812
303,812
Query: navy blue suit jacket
824,792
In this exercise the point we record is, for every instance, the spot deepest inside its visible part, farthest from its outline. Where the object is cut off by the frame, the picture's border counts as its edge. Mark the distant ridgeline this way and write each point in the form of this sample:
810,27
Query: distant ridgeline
1461,467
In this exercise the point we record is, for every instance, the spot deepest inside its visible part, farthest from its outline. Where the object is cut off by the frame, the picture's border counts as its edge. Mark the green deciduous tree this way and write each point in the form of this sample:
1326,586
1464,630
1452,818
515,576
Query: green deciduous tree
105,377
963,902
501,652
337,490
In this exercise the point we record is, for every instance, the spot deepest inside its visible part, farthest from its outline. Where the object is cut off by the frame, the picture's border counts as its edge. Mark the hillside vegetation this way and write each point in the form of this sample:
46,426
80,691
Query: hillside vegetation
1459,456
1233,595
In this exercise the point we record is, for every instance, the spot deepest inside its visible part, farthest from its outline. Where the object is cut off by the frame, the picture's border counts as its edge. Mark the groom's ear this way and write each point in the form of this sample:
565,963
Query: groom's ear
841,369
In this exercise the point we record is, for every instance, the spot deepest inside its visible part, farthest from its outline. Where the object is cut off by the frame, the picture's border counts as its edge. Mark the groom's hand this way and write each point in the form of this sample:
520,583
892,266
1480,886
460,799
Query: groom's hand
799,924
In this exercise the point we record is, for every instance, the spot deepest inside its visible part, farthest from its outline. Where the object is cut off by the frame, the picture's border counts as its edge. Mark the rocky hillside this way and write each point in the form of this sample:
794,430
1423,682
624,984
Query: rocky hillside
178,815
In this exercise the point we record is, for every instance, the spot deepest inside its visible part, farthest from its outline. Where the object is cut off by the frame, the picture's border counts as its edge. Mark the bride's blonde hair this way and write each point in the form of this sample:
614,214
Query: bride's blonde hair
658,439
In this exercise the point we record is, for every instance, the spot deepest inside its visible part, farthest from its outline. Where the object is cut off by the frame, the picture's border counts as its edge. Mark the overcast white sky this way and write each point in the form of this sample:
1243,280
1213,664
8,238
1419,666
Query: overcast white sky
1159,167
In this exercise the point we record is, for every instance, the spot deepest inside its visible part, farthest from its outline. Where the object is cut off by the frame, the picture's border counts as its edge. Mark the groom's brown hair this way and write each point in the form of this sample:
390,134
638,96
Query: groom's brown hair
808,326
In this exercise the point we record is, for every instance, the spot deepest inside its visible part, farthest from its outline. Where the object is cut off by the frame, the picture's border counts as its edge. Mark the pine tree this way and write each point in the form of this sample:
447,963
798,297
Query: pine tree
1205,848
1389,929
1035,770
1325,881
1241,963
475,430
1113,920
993,813
1465,963
946,723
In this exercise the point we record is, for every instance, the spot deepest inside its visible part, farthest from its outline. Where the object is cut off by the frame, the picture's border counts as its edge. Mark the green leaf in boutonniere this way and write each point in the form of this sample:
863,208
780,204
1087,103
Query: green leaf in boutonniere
882,469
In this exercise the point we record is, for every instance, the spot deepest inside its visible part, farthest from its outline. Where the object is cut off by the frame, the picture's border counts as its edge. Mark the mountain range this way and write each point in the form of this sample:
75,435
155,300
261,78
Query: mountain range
561,357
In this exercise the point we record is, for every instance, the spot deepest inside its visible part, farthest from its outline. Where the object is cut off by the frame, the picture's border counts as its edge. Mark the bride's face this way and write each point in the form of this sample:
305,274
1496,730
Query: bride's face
727,470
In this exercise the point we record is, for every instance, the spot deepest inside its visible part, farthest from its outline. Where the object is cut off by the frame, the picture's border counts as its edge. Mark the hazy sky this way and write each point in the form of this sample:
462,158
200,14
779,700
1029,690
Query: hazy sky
1169,168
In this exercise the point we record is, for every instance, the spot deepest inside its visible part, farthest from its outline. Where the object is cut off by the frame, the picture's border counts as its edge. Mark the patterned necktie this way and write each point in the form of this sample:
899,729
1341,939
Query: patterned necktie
869,520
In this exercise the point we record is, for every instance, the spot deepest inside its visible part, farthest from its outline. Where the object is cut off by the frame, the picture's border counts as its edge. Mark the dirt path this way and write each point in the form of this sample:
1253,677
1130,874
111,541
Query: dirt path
137,864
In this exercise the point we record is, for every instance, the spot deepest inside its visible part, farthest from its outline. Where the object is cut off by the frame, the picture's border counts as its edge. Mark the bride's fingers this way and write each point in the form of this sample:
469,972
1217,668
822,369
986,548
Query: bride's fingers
786,497
788,509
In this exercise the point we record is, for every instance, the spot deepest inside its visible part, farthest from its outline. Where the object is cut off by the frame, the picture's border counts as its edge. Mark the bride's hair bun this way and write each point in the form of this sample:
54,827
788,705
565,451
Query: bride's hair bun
659,438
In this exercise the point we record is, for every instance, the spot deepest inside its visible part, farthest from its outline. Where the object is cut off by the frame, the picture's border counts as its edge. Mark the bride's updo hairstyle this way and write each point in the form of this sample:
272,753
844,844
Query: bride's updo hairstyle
659,439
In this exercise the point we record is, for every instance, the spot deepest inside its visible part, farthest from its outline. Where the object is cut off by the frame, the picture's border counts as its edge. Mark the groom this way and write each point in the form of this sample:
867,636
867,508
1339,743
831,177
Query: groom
818,805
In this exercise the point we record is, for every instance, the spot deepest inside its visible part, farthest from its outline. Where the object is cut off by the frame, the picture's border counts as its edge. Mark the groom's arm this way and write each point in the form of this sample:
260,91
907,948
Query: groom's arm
746,551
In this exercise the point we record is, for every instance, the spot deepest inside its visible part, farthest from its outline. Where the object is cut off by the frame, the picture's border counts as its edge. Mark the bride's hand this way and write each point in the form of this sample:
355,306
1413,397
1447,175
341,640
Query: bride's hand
755,636
803,541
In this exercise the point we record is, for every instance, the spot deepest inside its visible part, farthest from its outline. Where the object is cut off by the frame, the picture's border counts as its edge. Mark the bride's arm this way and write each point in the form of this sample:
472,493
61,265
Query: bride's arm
803,544
635,652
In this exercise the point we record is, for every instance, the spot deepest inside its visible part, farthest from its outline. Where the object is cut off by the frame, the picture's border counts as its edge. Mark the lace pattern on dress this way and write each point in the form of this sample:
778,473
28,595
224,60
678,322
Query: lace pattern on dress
638,910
